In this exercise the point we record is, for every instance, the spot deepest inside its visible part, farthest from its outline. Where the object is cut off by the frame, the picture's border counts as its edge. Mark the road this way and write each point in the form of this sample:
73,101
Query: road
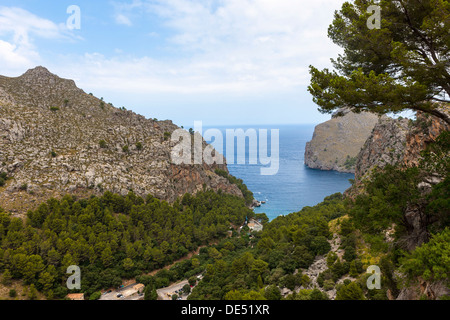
128,293
166,293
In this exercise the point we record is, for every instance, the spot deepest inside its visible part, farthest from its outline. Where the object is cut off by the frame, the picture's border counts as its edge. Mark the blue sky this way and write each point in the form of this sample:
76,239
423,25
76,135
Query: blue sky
224,62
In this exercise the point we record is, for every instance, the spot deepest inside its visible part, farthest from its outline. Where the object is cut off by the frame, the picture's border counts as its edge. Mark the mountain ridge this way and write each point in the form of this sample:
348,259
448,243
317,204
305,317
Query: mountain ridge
57,139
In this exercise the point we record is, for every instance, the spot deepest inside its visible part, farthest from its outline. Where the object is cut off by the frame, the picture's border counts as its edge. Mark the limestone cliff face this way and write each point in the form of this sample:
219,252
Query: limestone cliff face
398,141
337,142
56,139
384,146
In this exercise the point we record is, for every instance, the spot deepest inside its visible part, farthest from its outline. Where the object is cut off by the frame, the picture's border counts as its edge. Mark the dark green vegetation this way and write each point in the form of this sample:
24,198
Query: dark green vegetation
402,65
241,266
167,136
244,266
3,178
350,162
276,258
394,190
391,197
102,144
248,195
431,261
110,238
115,237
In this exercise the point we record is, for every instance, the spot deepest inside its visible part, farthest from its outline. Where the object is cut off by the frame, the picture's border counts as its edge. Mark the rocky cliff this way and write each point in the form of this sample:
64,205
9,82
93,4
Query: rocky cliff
56,139
398,141
337,142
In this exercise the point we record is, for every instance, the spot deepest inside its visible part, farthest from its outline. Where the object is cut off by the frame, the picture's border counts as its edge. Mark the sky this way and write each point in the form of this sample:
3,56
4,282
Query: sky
222,62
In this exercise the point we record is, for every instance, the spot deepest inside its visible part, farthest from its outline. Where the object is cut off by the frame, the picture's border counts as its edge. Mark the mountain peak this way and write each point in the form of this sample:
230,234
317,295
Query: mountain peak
56,140
38,72
38,87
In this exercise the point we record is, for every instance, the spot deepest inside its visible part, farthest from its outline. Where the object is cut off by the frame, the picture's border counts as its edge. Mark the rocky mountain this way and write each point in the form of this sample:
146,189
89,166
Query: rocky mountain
336,143
398,141
57,139
401,142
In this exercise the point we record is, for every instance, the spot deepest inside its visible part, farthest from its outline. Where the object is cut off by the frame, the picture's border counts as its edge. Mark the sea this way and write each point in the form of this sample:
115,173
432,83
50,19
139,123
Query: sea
294,185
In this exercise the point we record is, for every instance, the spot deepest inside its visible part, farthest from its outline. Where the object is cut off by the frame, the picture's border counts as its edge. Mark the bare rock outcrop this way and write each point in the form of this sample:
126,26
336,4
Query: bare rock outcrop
398,141
424,289
337,142
56,139
385,145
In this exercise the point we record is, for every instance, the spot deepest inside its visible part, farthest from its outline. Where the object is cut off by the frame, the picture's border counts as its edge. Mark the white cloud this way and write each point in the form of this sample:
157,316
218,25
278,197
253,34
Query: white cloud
122,19
233,48
13,57
124,10
237,46
22,23
18,27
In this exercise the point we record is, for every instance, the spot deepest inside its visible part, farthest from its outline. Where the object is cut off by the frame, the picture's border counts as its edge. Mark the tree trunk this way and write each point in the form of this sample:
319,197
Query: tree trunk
435,112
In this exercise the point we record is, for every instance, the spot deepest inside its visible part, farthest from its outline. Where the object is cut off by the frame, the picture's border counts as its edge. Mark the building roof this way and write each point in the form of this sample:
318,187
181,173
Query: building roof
76,296
138,286
254,224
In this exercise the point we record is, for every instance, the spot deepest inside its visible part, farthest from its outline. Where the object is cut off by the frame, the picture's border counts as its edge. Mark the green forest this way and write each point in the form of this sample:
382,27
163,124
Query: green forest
279,256
110,237
392,218
114,237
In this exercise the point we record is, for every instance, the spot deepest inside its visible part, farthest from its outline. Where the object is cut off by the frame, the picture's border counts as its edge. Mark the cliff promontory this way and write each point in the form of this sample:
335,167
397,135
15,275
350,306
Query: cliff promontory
57,139
398,142
336,143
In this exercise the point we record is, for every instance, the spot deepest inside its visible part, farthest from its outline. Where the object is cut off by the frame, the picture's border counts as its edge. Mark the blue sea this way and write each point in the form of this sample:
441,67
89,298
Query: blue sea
295,185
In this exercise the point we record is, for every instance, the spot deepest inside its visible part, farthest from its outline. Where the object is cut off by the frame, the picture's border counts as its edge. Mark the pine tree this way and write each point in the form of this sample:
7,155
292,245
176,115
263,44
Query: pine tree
32,292
353,269
402,65
351,291
150,293
6,278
